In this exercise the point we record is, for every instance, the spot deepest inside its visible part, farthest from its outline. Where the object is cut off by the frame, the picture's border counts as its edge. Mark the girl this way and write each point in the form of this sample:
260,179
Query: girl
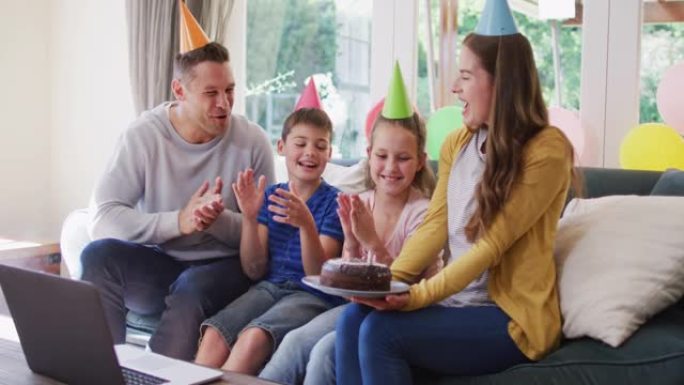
502,185
377,221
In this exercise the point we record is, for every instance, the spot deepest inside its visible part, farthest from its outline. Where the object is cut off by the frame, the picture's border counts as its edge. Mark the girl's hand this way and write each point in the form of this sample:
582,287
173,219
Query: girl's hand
390,302
249,195
351,244
290,208
363,225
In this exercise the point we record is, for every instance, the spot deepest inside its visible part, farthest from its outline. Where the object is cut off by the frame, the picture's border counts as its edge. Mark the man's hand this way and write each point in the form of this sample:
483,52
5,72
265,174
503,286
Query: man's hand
249,195
390,302
290,208
202,209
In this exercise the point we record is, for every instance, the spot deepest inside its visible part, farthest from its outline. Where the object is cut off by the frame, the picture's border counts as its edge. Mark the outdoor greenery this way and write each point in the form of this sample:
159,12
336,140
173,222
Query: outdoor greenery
539,34
288,41
662,45
293,35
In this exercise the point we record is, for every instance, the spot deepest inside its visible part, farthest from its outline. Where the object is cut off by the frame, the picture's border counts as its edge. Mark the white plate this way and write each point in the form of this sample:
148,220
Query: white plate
396,287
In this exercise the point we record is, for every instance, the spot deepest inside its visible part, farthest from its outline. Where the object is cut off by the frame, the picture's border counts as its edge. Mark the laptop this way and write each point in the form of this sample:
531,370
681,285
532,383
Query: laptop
64,335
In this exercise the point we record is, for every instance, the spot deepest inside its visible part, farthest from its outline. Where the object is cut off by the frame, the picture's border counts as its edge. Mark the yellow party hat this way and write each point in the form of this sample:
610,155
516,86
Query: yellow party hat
191,34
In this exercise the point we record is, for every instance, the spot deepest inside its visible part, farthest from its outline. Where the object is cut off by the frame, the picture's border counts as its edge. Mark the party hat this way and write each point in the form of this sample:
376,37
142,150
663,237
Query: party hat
496,19
191,34
397,103
309,97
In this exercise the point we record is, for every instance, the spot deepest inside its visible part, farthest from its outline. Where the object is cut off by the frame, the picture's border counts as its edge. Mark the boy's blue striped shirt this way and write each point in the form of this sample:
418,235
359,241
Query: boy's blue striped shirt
284,247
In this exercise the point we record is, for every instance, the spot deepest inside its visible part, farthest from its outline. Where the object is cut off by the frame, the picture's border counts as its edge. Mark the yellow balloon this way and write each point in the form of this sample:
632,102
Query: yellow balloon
652,146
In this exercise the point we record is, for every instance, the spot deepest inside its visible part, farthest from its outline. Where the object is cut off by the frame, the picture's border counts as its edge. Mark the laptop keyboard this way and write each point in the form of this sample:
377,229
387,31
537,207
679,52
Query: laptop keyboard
133,377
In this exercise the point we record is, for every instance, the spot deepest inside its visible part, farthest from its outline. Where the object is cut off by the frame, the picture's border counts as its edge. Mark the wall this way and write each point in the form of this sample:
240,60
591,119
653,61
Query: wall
25,126
65,100
90,96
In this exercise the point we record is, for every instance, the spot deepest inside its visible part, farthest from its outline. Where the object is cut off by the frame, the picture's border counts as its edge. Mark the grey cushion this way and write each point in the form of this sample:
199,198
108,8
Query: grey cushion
609,181
670,183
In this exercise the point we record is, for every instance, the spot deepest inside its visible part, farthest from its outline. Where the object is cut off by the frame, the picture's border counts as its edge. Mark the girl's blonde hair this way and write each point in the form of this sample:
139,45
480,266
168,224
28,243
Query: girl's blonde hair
424,179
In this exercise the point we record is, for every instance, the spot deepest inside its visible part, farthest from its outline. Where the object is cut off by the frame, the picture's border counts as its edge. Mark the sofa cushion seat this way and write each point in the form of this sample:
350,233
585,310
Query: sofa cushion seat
653,355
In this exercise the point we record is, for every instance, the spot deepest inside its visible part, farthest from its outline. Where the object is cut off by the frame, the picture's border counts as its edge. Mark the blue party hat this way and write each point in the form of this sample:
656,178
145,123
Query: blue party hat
496,19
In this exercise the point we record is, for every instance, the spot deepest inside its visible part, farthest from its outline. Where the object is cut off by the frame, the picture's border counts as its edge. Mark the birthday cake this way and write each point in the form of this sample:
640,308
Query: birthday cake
355,274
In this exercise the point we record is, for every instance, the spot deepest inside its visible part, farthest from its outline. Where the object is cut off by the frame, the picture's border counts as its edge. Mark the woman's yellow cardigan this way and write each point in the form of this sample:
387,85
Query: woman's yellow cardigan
517,248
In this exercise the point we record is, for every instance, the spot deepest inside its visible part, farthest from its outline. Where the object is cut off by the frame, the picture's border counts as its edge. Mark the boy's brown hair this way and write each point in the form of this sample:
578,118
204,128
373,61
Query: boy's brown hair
311,116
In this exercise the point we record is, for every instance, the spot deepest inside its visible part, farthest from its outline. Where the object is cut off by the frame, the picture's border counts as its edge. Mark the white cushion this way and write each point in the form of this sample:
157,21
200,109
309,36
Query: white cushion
620,261
73,239
349,179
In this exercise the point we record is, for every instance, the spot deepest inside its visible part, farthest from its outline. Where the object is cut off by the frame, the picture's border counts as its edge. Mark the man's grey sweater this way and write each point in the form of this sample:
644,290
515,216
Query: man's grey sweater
154,172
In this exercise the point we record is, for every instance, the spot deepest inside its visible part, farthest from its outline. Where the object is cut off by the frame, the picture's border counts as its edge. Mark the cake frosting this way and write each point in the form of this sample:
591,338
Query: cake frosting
355,274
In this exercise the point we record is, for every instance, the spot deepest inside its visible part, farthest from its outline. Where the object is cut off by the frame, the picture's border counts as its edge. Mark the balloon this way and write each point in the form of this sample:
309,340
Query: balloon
652,146
372,116
568,121
440,124
669,96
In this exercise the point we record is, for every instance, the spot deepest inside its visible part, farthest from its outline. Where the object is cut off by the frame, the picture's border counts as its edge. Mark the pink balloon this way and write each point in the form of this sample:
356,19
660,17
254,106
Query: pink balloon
568,121
670,95
372,116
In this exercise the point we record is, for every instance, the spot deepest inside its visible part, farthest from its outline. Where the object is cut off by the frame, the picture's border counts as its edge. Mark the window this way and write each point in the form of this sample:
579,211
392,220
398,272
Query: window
288,41
662,46
561,84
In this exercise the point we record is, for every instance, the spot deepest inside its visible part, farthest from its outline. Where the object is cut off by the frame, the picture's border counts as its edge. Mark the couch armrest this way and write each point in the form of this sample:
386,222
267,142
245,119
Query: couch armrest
73,240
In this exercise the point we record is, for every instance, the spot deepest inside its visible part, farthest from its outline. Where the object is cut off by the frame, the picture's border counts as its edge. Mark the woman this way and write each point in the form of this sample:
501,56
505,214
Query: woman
502,184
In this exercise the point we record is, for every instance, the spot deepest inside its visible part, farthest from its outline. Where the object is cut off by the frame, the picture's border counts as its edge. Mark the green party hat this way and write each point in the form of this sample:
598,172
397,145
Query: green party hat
397,103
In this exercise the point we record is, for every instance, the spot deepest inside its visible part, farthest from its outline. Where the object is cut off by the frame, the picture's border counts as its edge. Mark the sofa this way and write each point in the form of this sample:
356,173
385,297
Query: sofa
654,354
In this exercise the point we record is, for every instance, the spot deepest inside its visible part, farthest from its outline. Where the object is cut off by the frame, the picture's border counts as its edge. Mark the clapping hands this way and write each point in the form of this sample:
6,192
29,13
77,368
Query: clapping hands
358,225
249,194
290,208
202,209
351,244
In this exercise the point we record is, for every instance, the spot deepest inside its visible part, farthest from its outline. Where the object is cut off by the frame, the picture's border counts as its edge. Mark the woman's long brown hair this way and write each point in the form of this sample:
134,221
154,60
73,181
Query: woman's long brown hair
519,114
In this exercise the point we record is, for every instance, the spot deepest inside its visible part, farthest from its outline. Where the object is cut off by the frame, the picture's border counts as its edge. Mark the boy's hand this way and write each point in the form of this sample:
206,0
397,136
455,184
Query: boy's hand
249,195
290,208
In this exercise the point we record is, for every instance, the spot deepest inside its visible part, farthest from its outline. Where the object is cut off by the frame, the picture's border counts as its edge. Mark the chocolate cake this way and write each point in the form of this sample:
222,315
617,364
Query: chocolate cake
355,275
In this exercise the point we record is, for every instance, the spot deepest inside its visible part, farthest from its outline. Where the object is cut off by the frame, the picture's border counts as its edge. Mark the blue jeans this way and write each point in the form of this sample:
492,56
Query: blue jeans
144,279
376,347
321,367
273,308
306,354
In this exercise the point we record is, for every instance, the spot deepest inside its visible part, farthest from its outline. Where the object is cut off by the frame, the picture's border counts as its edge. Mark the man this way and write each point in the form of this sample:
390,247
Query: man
167,234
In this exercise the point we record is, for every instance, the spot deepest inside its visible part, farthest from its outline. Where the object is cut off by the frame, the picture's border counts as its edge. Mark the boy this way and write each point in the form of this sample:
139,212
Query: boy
288,231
